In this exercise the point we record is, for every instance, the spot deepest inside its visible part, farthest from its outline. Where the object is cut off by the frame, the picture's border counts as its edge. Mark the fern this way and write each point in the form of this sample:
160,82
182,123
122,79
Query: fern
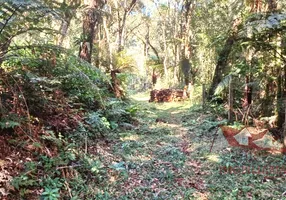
223,84
8,124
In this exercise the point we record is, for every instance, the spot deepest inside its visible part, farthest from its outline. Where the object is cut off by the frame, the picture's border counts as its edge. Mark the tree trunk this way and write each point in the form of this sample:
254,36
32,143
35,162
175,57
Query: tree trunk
223,57
272,5
118,92
165,62
70,8
90,25
109,46
247,100
230,101
122,22
281,87
279,106
4,46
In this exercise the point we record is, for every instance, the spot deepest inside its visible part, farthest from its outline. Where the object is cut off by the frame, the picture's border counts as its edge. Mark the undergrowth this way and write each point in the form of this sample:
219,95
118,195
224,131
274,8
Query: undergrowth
53,109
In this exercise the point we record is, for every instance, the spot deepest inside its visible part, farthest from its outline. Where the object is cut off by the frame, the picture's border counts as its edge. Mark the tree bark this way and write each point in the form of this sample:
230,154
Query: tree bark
91,21
70,8
247,100
107,35
165,62
223,57
281,88
118,92
4,46
122,22
230,101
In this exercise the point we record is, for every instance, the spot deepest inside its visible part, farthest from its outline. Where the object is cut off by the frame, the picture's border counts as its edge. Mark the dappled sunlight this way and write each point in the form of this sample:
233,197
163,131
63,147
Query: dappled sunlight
214,158
140,158
172,106
130,137
141,97
172,125
177,112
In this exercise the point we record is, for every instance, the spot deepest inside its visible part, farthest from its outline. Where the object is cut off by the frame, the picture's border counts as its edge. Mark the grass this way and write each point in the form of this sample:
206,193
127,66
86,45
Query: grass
172,160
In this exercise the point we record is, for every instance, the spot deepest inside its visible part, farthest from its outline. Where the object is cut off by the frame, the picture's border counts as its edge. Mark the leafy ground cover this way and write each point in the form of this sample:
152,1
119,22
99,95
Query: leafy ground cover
168,157
169,153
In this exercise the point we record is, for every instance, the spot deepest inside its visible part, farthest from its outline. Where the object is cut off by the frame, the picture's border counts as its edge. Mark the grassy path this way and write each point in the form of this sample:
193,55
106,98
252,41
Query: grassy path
167,157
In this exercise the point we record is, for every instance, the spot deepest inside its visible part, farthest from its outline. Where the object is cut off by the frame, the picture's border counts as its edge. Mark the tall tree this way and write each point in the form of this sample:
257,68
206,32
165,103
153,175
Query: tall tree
121,20
69,7
91,21
223,56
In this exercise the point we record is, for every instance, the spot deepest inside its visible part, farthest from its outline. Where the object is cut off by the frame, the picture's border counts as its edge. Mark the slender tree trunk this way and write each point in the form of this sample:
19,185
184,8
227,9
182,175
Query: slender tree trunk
230,101
109,49
165,62
122,22
279,106
247,100
281,87
64,30
4,46
71,7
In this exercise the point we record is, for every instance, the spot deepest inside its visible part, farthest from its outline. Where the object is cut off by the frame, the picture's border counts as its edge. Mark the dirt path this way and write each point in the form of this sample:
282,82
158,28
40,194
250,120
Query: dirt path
157,156
167,157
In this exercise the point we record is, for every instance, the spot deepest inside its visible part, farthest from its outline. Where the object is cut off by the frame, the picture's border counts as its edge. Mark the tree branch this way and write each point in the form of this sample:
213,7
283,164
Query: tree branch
10,17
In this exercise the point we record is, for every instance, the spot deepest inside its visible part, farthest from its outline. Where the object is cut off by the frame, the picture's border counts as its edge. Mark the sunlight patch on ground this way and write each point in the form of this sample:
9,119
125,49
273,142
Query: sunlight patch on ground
144,97
141,97
130,137
173,105
140,158
214,158
176,112
173,125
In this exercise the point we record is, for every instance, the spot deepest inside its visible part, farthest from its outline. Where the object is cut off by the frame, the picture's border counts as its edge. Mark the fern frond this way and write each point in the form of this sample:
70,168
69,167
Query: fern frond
223,84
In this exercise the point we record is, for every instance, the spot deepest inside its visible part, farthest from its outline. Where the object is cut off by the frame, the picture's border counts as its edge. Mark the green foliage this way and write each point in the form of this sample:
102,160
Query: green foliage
51,137
223,84
119,166
119,111
133,109
123,61
59,69
52,182
24,181
261,24
239,173
84,81
50,194
103,196
172,154
95,166
237,125
46,174
9,124
131,146
97,123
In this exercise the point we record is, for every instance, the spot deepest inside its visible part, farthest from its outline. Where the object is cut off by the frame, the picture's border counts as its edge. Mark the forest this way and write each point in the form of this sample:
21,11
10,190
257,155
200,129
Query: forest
142,99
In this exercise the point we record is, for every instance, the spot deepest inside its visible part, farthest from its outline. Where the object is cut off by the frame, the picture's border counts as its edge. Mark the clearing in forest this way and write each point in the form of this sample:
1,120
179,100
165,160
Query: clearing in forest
168,157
